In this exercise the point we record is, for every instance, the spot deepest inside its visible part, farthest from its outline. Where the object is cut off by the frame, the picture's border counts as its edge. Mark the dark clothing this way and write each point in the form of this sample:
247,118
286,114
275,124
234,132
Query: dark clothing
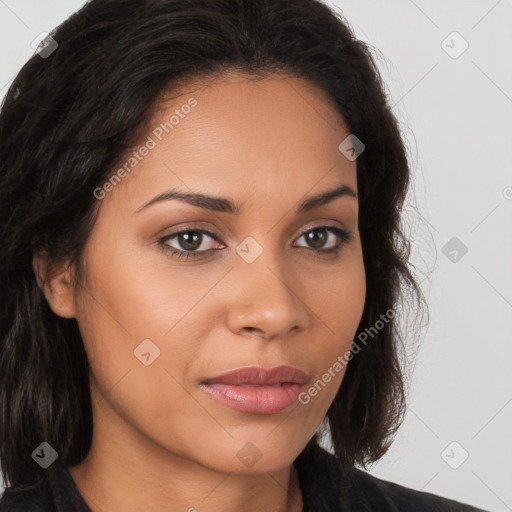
326,484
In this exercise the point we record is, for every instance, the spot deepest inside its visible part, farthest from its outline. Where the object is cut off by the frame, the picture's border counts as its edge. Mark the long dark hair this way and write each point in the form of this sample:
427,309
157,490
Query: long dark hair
70,114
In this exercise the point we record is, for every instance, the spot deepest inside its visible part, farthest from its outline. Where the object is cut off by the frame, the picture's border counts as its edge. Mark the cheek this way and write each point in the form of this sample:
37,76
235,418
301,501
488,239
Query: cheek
131,295
131,322
338,296
339,304
140,373
129,300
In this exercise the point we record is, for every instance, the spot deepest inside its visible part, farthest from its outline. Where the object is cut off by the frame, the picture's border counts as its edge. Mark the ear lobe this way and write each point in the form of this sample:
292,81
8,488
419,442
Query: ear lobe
57,284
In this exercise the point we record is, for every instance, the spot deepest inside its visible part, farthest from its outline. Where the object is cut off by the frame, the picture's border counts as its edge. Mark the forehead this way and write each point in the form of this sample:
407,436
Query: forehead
233,105
234,133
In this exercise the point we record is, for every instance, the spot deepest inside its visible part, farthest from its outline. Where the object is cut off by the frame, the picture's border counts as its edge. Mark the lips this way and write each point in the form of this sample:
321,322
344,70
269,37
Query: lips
258,390
259,376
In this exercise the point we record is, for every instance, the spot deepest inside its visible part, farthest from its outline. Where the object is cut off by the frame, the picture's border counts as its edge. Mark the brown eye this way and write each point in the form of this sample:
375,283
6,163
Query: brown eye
188,243
318,237
190,240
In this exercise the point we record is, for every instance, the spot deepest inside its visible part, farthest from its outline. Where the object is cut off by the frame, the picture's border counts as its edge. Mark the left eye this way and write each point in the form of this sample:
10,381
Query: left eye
338,237
192,241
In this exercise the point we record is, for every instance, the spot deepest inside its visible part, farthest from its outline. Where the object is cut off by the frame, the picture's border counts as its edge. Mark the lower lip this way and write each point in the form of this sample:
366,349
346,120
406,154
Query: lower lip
256,399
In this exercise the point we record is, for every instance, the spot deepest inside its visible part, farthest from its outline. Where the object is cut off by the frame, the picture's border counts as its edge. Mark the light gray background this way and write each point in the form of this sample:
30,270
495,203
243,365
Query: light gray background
456,114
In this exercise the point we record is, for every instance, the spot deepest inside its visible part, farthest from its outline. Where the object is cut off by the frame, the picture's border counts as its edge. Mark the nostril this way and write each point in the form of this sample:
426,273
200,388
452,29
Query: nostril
256,329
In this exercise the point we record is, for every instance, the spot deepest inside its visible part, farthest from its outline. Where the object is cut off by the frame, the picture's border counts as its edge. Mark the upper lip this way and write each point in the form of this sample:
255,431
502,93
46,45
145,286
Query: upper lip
258,375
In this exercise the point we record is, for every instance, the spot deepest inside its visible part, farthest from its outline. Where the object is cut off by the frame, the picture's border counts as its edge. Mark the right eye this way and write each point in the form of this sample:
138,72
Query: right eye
191,241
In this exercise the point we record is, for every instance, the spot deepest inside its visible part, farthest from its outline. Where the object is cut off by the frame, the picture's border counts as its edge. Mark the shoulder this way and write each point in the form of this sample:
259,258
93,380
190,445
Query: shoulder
54,492
401,498
328,485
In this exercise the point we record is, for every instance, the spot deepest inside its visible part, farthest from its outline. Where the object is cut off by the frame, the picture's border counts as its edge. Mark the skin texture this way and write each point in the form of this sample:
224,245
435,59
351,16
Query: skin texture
160,442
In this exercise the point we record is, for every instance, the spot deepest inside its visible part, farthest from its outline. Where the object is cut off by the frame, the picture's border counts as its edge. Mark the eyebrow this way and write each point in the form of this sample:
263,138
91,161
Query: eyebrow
225,205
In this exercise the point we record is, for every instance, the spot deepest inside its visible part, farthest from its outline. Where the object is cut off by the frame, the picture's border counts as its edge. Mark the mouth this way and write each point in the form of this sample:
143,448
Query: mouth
258,390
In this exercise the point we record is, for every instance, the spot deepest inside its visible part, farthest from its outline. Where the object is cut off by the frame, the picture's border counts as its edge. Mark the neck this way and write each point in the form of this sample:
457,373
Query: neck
113,486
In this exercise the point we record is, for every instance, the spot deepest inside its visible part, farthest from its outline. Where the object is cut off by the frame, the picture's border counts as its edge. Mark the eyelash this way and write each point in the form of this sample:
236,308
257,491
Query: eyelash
343,236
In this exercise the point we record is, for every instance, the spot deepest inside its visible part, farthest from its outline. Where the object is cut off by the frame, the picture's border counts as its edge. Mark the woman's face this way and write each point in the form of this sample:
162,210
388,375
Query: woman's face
158,322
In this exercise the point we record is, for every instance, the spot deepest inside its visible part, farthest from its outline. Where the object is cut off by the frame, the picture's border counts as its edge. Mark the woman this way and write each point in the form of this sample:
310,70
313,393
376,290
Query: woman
200,223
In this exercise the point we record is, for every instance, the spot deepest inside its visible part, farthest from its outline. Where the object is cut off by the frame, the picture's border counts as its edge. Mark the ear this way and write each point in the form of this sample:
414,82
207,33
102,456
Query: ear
57,284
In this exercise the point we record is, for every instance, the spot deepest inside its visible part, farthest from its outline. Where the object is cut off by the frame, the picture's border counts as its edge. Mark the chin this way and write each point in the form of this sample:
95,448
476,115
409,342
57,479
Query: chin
256,454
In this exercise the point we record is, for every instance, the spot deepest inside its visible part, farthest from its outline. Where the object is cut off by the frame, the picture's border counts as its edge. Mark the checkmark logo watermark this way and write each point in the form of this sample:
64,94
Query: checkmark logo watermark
45,455
249,454
454,45
351,147
44,45
249,249
454,455
454,249
147,352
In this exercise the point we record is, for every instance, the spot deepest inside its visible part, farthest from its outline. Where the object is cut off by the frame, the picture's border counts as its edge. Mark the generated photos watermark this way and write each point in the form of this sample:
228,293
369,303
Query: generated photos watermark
342,360
144,149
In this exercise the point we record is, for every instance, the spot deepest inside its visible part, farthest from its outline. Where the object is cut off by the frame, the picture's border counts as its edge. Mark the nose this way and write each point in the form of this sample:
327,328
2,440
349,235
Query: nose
266,299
